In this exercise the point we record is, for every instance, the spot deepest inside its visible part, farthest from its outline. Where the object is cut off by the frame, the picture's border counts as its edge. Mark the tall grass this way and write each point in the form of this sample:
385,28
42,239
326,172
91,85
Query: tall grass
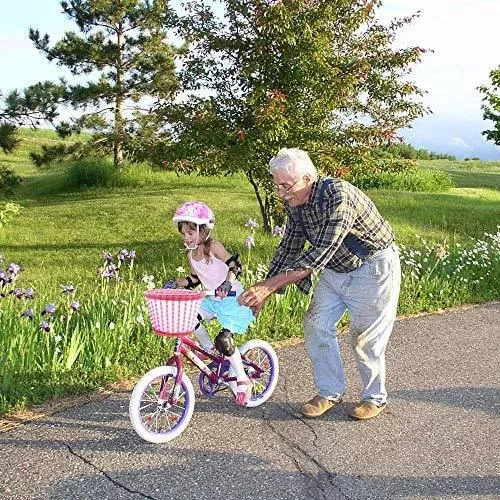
429,181
68,340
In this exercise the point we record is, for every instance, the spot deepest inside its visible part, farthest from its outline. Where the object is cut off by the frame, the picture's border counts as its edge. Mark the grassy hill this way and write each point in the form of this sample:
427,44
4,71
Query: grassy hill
61,234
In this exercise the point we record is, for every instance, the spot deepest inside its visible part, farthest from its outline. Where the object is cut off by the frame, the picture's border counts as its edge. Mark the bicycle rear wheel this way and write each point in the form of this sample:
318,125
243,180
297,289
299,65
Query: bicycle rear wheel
261,354
152,416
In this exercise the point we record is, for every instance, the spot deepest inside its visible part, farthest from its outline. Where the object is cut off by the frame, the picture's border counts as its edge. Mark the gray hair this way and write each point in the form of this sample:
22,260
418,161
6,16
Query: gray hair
294,161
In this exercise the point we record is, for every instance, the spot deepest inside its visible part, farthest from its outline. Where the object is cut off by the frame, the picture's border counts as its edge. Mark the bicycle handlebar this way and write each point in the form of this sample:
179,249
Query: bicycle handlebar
211,293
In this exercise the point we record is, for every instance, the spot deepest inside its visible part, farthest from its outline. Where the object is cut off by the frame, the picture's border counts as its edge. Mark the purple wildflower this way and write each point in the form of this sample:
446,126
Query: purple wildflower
251,224
108,258
17,292
45,326
49,309
68,289
131,255
14,269
249,242
4,279
123,255
29,293
279,230
75,305
110,271
27,314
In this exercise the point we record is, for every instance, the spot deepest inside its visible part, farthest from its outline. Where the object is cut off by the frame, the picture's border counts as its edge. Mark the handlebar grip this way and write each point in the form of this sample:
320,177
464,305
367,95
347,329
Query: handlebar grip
211,293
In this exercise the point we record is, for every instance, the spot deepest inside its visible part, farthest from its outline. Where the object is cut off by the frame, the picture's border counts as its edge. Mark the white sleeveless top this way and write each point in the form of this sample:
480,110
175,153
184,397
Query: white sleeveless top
213,273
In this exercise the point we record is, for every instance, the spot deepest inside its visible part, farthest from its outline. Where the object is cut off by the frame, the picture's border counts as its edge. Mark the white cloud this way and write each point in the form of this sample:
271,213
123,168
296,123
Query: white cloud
464,37
458,142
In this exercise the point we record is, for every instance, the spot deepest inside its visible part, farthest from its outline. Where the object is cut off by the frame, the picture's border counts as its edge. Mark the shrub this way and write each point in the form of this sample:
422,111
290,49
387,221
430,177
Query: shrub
410,153
91,172
7,212
8,178
429,181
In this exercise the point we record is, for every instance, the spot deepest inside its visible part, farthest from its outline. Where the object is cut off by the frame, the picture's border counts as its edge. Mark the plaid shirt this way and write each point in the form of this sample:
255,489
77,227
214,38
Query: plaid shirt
341,224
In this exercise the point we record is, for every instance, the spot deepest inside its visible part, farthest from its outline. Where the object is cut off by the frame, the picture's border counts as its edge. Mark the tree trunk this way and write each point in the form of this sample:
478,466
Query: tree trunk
263,205
119,123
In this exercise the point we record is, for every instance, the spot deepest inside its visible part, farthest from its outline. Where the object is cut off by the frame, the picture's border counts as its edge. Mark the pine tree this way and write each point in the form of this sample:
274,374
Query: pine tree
122,46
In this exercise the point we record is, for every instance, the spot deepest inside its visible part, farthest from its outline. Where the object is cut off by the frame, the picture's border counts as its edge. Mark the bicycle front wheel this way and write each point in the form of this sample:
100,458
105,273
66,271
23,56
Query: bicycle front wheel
153,417
261,354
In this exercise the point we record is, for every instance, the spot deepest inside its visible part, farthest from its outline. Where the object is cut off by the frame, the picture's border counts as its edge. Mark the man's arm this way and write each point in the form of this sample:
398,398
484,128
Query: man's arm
255,296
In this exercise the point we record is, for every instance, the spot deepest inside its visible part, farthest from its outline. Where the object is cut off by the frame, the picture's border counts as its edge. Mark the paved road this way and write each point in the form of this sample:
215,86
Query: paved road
439,438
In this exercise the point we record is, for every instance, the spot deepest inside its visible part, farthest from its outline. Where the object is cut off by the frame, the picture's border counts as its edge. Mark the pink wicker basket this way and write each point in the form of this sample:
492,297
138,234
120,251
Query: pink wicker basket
173,312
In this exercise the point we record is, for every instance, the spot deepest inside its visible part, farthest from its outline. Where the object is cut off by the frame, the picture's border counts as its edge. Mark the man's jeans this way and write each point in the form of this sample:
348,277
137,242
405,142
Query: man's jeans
370,294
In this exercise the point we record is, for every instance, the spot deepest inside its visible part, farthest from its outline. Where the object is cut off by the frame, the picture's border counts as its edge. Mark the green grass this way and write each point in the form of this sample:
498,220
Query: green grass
61,234
468,174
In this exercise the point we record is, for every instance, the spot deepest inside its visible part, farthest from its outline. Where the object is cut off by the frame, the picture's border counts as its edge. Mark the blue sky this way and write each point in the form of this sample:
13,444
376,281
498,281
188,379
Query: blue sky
462,34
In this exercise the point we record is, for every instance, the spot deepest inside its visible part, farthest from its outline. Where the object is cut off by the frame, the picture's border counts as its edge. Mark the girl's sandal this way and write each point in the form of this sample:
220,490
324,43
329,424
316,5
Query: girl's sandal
242,397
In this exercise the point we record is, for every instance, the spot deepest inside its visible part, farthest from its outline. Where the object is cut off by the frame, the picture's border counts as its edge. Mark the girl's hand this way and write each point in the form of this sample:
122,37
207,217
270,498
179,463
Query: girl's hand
223,289
171,284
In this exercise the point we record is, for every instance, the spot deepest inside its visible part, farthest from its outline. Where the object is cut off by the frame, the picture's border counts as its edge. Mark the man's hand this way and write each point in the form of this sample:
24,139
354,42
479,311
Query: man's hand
255,297
223,289
256,309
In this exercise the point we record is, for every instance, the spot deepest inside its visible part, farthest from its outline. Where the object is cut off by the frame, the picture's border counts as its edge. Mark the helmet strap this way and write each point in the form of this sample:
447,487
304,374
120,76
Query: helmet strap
197,238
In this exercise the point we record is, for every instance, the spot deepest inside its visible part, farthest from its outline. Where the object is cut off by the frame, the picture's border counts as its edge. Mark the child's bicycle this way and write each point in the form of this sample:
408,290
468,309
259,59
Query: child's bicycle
162,401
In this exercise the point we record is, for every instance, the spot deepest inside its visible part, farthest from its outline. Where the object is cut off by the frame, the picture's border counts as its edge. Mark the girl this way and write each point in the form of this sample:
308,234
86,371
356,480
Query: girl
214,267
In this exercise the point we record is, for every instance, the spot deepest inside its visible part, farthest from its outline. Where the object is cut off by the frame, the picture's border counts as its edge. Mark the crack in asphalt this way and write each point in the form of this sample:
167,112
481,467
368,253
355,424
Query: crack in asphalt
106,475
290,455
288,409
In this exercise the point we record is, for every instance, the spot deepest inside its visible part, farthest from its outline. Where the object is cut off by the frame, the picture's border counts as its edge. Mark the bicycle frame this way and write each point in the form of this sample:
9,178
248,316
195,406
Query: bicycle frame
187,347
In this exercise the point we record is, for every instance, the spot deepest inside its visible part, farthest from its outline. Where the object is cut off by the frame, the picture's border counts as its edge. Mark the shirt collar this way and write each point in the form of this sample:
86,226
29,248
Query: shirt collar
313,195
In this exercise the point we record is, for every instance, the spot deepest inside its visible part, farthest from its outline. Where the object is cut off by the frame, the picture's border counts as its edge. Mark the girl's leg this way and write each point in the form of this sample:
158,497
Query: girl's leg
200,332
203,338
242,388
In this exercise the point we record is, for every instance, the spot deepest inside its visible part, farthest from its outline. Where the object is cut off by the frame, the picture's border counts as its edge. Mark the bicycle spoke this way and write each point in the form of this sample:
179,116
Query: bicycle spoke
147,405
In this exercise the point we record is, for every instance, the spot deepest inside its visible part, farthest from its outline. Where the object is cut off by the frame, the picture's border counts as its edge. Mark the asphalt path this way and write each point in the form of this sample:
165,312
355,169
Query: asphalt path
438,438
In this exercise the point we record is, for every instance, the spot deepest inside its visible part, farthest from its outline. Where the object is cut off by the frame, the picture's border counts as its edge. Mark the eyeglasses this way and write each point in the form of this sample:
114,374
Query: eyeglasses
284,189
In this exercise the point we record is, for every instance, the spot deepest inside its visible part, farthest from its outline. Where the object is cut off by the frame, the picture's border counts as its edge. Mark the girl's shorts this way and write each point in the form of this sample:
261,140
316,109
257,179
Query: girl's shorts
228,312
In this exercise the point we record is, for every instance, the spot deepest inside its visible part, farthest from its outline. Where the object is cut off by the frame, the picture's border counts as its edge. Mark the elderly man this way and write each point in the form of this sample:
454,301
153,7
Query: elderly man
352,246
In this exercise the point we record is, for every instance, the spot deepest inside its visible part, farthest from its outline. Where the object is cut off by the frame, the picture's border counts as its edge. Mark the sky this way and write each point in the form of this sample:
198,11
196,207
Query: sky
462,35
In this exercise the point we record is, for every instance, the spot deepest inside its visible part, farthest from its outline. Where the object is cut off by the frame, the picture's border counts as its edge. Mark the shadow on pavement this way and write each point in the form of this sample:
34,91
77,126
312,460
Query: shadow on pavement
485,399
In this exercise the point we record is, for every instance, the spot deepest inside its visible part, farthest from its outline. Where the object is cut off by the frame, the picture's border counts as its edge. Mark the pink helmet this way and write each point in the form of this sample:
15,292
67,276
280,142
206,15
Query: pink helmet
197,212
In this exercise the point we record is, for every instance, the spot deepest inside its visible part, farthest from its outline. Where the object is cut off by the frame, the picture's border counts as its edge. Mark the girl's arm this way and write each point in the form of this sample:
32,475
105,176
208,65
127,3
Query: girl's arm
190,281
221,253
